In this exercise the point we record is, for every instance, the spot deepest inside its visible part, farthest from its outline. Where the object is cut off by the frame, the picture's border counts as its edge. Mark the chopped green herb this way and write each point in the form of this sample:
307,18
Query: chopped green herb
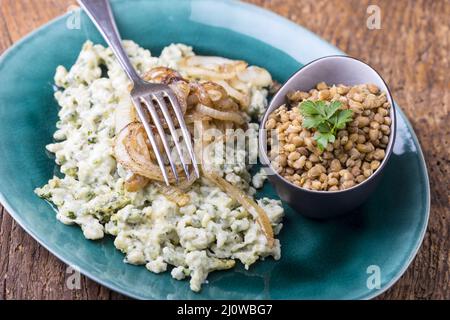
325,118
92,140
90,195
71,215
71,172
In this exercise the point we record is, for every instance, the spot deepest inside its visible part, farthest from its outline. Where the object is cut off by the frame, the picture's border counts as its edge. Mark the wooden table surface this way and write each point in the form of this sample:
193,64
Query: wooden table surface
411,50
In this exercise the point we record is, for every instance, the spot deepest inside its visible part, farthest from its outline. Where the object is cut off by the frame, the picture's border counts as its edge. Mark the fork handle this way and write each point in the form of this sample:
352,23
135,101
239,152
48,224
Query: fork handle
102,16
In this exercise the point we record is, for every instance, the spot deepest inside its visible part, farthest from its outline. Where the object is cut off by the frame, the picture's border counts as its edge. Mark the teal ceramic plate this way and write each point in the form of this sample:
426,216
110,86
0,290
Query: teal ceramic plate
338,259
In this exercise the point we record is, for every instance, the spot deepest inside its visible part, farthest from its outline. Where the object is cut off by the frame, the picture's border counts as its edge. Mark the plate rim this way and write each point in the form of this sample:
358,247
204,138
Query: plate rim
301,30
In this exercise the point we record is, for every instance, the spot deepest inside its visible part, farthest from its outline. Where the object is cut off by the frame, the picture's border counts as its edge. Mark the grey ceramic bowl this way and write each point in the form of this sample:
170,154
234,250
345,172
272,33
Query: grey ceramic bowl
327,204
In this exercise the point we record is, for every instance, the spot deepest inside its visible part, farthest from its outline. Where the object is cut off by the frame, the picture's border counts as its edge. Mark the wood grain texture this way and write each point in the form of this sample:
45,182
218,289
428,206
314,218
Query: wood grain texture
411,50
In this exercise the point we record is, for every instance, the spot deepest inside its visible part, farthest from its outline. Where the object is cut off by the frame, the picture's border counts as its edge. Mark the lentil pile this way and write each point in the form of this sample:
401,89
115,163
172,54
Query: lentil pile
355,154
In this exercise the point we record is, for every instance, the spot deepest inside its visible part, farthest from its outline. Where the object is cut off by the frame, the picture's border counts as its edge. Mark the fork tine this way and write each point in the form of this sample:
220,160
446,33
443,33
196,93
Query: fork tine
162,104
186,135
151,137
157,122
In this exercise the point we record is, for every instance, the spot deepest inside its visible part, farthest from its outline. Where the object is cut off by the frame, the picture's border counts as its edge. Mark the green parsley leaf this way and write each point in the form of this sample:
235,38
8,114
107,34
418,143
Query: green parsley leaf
323,139
323,127
343,117
321,107
332,108
325,118
312,122
308,108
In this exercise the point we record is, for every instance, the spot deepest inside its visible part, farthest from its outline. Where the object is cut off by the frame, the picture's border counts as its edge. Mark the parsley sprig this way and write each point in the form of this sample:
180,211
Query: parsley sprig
325,118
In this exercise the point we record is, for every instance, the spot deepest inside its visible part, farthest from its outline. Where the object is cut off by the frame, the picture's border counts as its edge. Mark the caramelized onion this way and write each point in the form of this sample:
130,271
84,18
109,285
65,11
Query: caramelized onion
220,115
212,68
132,152
162,75
136,183
175,81
243,99
174,194
219,96
195,116
199,94
256,76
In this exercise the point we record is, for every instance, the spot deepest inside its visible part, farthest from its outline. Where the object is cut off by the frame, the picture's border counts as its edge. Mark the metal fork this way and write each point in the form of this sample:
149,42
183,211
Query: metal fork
150,94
